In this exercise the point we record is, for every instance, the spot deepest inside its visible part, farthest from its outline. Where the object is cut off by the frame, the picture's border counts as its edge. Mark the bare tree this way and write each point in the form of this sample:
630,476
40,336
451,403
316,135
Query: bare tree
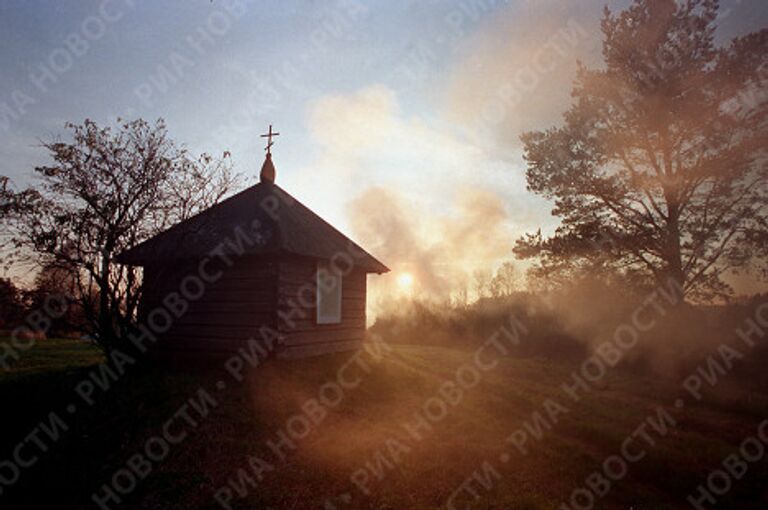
505,281
7,209
107,190
482,280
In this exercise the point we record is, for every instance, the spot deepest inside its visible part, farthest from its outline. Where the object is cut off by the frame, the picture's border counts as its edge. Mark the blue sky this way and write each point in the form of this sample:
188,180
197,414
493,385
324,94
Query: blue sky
397,95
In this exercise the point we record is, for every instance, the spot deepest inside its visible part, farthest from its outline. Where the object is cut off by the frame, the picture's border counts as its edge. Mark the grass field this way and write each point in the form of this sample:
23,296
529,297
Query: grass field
351,440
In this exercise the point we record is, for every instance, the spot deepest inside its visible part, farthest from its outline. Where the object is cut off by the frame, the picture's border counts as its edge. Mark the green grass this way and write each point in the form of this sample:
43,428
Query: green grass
101,438
49,357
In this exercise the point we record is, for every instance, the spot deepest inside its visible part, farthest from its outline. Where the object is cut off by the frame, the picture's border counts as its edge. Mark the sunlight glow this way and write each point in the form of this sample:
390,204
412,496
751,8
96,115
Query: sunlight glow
405,281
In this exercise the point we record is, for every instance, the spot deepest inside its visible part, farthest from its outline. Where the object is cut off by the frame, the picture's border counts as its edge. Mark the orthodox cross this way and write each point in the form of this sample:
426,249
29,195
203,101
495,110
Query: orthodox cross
269,136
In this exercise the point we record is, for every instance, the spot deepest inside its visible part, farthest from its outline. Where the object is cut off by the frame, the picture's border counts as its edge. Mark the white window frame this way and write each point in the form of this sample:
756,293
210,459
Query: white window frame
324,270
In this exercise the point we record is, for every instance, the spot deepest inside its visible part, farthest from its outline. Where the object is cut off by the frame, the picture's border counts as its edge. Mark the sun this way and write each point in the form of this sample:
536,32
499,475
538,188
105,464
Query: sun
405,281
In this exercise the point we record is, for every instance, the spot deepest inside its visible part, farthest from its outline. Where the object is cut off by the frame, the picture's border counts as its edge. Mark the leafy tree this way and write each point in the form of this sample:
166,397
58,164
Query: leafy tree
11,304
659,170
107,190
57,285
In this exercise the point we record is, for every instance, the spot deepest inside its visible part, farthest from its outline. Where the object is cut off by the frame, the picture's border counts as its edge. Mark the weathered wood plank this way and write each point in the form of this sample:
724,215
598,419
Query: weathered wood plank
217,331
226,319
310,280
244,307
318,349
309,324
299,293
319,336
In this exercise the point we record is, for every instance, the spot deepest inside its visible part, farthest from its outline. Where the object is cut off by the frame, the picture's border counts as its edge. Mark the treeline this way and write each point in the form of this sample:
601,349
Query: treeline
649,329
47,308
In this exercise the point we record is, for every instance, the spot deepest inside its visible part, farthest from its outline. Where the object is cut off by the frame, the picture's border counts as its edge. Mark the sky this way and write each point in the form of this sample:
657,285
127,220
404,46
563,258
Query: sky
391,112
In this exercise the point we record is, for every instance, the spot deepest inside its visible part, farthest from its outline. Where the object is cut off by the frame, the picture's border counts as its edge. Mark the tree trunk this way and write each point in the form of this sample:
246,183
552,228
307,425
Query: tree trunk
673,252
106,333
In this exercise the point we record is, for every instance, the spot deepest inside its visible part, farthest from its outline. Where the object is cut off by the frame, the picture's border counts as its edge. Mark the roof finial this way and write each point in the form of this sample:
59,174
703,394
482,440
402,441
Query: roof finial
269,136
268,168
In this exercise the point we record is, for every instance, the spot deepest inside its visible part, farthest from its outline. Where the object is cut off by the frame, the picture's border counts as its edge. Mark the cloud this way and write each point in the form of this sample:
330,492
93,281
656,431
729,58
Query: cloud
412,191
366,138
357,123
441,250
515,75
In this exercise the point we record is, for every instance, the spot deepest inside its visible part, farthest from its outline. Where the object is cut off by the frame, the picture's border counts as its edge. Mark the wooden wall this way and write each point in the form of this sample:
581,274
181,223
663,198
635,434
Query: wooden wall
297,313
255,292
231,309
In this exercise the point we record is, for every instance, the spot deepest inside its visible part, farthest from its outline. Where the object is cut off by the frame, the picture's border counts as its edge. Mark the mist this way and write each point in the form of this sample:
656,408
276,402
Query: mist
439,250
